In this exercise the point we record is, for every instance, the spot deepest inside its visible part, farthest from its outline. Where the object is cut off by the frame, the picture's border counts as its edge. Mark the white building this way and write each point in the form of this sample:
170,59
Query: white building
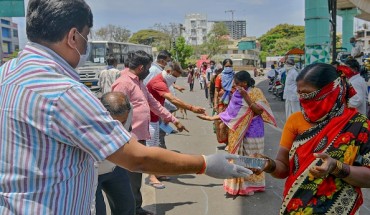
9,39
196,28
363,34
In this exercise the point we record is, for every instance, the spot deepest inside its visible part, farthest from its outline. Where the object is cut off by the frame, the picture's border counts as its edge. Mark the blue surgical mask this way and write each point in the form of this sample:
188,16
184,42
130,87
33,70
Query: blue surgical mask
353,44
228,69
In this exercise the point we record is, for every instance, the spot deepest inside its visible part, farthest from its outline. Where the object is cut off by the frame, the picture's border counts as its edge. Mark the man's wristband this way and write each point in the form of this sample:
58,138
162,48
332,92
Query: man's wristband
201,171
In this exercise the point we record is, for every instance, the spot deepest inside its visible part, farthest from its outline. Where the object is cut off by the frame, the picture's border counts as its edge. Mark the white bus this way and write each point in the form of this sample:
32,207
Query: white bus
96,62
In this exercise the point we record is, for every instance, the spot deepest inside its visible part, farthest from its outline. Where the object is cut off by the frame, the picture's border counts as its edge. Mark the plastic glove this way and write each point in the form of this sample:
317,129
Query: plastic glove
218,166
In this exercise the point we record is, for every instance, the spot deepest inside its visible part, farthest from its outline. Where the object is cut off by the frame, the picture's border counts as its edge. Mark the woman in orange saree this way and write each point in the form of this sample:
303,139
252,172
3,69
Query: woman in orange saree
324,150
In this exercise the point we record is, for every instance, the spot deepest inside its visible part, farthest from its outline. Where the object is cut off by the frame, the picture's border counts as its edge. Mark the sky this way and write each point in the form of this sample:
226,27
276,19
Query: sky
135,15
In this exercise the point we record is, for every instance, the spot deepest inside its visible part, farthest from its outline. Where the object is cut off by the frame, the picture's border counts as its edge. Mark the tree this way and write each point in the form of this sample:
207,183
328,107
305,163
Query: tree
217,40
112,33
181,51
153,38
171,29
280,39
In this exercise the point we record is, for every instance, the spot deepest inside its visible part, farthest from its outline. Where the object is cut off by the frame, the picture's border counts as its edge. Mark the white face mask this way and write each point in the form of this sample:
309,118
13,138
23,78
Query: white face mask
287,67
83,58
170,79
128,122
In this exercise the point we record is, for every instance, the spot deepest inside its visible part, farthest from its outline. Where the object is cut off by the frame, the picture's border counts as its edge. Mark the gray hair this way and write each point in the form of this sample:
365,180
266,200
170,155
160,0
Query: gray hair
116,103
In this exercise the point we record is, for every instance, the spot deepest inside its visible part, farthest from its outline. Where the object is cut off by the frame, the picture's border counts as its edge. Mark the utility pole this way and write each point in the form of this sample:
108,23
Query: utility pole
333,12
232,21
182,28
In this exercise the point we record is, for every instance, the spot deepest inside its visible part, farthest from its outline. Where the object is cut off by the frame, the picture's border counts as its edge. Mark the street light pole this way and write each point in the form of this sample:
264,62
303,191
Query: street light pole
333,11
232,21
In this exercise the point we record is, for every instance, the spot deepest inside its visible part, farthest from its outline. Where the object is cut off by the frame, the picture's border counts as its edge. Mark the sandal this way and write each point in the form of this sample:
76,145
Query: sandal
163,178
157,185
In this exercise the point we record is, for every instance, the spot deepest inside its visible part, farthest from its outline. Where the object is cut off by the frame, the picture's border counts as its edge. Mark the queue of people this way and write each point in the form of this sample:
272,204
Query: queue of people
54,148
54,129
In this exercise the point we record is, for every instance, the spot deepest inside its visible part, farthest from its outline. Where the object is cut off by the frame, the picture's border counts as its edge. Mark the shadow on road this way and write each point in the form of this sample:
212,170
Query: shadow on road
177,180
165,207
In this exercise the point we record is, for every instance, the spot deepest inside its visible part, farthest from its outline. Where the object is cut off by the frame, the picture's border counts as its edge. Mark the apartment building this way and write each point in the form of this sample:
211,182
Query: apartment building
9,39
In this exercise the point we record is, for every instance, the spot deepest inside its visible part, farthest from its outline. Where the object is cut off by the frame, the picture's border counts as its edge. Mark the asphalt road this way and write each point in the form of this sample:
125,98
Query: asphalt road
202,195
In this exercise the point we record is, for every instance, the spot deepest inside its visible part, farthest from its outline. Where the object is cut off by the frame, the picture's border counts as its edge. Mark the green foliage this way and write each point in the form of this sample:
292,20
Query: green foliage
219,29
113,33
14,54
181,52
339,41
217,40
280,39
152,37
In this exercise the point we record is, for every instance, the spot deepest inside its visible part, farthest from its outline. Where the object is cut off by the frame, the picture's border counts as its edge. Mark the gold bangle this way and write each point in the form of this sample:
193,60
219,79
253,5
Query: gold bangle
341,170
271,166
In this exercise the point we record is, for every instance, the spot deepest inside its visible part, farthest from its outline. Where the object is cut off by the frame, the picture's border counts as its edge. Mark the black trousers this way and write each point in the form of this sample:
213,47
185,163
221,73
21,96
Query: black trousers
116,186
135,181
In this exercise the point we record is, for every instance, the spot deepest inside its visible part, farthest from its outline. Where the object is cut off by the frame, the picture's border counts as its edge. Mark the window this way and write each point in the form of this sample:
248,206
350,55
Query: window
116,48
193,24
97,54
6,47
16,47
6,32
193,32
360,34
235,51
5,22
368,33
203,23
194,41
15,33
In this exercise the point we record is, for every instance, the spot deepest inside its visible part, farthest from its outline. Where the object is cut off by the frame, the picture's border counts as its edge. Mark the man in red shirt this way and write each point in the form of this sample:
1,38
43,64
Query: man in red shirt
159,88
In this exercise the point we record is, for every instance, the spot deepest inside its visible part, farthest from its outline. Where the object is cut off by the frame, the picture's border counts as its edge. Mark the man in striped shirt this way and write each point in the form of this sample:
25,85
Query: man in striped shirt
52,128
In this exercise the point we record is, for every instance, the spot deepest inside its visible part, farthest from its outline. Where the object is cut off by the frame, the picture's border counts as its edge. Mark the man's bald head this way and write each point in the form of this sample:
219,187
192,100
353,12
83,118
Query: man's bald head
116,103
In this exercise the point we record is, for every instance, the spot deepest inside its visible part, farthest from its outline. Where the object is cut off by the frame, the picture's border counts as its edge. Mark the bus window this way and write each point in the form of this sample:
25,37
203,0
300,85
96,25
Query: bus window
116,52
124,48
97,54
116,49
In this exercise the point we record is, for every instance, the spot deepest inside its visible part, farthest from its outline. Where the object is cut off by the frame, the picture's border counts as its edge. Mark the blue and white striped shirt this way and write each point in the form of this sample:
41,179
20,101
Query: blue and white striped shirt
52,129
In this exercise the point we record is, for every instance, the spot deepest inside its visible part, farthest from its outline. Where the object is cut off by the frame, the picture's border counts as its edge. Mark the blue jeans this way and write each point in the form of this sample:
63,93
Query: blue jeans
116,186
